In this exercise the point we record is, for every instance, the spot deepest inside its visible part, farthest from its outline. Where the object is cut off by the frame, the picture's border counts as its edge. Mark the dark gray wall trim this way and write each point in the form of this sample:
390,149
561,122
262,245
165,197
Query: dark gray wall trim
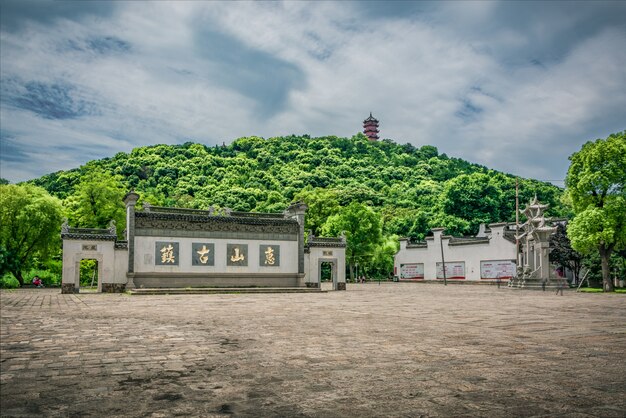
172,280
214,223
153,232
163,275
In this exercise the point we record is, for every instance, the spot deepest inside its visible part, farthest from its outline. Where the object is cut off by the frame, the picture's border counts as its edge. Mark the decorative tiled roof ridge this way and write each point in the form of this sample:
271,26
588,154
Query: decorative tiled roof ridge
509,236
258,215
162,209
326,242
326,239
416,245
224,212
94,231
88,236
102,234
468,240
121,245
204,217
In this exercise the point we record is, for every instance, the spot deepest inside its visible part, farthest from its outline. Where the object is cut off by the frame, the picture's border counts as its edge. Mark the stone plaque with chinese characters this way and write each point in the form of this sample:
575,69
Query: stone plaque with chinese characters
327,253
269,255
236,254
203,254
166,253
87,247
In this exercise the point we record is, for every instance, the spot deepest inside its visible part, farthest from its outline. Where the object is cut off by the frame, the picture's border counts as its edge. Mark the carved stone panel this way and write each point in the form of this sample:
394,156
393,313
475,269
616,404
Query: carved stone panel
269,256
203,254
166,253
236,254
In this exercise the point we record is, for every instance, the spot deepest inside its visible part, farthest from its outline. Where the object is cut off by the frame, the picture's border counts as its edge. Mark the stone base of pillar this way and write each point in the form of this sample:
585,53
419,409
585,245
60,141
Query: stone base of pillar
130,283
341,286
113,287
312,284
68,288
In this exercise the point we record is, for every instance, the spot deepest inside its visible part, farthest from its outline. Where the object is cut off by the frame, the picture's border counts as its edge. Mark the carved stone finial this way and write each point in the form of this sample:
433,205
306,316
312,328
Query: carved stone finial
227,211
112,227
65,227
147,206
211,210
131,198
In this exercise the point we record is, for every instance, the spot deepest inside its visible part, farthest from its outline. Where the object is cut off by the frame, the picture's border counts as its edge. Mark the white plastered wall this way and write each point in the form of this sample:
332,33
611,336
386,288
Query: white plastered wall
316,254
145,254
498,248
108,270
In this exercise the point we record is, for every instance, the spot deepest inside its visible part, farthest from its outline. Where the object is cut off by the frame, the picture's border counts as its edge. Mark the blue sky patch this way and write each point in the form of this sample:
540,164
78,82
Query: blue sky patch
50,101
10,149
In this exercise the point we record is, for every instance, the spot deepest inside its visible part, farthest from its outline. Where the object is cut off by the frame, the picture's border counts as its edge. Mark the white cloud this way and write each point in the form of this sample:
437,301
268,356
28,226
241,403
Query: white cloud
441,81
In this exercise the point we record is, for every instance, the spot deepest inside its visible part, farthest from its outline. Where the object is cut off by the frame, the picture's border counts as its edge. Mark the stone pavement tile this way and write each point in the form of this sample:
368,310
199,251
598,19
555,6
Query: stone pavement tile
390,350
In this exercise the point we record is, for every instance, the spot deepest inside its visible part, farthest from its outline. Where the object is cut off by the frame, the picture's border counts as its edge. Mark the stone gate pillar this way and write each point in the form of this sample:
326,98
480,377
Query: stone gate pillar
297,211
130,200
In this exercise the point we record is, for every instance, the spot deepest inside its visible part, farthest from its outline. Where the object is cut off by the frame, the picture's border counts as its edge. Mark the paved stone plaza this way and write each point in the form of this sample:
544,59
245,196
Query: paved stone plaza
398,349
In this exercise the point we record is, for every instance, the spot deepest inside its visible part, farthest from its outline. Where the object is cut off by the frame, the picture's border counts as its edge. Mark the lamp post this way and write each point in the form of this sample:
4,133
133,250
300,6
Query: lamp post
443,261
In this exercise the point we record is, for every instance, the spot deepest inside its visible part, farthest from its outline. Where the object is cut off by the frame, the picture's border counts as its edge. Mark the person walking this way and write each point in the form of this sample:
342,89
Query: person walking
560,285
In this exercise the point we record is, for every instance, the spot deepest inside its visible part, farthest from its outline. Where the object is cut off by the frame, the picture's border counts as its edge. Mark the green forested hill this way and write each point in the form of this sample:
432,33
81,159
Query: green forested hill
410,189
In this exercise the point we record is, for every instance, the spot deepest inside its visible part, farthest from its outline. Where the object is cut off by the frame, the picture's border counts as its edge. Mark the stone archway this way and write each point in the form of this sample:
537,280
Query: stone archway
333,270
91,244
77,261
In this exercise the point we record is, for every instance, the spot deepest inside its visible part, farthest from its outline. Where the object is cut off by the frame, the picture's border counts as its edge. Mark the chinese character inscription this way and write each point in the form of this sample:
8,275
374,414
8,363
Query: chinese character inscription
237,254
203,254
166,253
269,255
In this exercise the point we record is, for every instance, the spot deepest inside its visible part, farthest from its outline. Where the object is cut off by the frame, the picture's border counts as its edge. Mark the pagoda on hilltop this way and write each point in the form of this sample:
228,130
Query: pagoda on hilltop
370,128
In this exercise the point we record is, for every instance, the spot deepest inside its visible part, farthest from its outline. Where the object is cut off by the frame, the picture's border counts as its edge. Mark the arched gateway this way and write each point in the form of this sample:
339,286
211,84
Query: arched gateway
175,247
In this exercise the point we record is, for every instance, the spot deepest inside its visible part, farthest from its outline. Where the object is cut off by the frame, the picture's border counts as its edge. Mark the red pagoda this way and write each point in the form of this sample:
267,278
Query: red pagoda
370,128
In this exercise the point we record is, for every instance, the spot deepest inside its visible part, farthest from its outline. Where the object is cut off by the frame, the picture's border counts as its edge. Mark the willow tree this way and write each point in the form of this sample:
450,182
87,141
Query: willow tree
31,224
595,184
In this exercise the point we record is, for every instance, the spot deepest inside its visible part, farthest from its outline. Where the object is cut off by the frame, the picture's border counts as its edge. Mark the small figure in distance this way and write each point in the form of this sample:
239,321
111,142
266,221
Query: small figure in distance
37,281
560,279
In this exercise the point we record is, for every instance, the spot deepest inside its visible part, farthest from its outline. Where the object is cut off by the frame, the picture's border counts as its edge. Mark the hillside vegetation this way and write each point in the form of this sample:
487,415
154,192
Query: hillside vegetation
412,189
371,191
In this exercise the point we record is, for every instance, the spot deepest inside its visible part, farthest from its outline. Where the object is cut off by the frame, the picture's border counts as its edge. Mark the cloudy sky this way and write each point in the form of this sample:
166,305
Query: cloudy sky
517,87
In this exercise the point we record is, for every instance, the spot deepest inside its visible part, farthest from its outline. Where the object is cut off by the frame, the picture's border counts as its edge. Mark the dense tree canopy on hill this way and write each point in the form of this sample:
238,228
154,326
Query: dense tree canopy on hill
411,189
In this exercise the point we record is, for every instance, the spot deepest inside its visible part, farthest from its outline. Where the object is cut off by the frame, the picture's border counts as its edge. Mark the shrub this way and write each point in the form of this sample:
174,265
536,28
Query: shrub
49,277
8,282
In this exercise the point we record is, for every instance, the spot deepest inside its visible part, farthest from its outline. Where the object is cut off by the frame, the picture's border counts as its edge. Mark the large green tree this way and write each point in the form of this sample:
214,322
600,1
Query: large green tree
96,201
472,197
322,204
595,185
30,222
562,253
363,229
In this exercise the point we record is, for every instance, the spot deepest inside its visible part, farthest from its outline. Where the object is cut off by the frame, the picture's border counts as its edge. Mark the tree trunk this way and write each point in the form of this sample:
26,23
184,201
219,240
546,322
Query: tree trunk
19,277
605,255
352,271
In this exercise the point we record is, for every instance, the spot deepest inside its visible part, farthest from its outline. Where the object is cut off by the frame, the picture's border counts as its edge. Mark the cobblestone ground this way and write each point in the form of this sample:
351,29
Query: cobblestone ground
391,350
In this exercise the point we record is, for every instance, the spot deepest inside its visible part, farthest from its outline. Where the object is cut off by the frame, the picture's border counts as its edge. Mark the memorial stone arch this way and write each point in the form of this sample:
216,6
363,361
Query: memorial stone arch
178,247
97,244
326,250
